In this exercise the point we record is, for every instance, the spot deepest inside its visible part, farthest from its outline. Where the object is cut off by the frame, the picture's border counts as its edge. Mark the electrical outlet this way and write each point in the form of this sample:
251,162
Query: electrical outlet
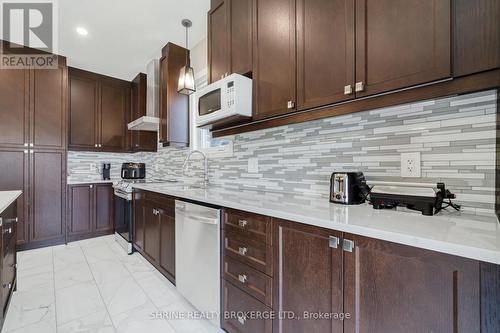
93,167
253,165
411,165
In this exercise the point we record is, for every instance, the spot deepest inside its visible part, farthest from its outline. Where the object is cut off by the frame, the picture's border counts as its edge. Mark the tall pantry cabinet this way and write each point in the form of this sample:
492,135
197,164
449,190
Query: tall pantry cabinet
33,141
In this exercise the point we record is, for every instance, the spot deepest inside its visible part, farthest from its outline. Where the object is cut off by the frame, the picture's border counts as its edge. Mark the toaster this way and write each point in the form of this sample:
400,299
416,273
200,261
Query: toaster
348,188
133,170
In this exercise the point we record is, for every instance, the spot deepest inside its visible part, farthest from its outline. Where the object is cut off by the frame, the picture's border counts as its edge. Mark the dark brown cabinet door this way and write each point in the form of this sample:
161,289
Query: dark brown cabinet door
113,110
49,108
325,52
139,218
241,35
47,195
275,74
218,52
83,112
8,271
16,162
151,231
308,277
174,107
395,288
476,33
103,203
141,140
81,200
401,43
14,106
167,243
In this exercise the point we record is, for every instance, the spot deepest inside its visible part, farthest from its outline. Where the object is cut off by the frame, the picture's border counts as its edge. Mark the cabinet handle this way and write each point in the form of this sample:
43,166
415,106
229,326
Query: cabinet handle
16,220
7,231
26,144
91,186
1,221
242,278
347,90
290,104
100,145
334,242
360,86
14,266
26,151
32,151
243,251
242,223
348,245
95,145
32,145
7,285
242,319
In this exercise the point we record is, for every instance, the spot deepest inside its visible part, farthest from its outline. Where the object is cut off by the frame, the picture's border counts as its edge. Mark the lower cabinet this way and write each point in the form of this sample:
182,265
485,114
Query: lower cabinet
90,211
154,230
328,281
8,262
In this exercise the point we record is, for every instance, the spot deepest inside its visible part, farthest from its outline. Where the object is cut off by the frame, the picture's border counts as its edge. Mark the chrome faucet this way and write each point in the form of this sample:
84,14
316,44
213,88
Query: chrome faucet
185,166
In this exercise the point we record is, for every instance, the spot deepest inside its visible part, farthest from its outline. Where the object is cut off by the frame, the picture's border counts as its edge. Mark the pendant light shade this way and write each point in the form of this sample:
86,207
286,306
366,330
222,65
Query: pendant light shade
186,75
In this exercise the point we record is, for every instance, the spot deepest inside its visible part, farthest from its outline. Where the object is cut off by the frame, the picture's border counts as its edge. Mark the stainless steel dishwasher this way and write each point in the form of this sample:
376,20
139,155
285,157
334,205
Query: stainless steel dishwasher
197,256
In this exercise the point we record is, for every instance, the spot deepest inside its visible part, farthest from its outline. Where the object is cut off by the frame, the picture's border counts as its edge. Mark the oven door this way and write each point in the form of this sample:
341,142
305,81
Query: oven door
123,217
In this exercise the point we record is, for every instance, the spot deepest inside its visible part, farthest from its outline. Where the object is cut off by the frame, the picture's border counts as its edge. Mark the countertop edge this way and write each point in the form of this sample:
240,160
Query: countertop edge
13,195
470,252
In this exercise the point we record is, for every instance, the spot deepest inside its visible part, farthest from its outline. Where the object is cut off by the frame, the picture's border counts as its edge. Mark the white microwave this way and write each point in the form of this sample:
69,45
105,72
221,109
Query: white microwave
227,99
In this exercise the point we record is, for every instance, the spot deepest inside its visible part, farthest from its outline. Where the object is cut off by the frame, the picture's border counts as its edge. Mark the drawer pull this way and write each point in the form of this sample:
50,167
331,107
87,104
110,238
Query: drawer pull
7,231
242,223
242,251
14,265
242,278
242,319
7,285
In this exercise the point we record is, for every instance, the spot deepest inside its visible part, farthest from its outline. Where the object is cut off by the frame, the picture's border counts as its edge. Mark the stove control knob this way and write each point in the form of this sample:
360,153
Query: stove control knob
338,196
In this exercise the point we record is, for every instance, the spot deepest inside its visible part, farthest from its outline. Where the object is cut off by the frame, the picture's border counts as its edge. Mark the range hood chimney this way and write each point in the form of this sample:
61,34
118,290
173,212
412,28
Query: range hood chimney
151,121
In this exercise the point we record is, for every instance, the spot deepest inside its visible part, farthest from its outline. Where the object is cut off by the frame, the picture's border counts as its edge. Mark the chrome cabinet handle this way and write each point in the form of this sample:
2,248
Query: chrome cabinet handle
242,223
348,90
26,144
290,104
91,186
14,266
7,231
100,145
242,319
95,145
25,151
243,251
334,242
348,245
32,145
7,285
242,278
360,86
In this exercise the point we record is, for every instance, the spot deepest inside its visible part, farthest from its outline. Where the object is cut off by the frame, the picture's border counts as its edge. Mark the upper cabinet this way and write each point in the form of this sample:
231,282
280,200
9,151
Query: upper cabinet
274,66
33,104
99,111
325,52
230,35
309,54
401,44
476,43
141,140
174,107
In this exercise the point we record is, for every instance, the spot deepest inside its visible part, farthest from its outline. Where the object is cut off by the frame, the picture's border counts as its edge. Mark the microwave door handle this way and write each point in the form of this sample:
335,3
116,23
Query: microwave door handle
123,173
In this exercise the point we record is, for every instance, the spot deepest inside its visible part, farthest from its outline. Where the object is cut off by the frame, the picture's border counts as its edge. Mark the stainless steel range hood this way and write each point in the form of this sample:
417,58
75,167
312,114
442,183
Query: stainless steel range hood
150,122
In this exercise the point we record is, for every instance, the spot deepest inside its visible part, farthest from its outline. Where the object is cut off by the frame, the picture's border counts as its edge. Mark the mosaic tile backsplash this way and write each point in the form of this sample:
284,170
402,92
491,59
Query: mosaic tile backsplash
455,135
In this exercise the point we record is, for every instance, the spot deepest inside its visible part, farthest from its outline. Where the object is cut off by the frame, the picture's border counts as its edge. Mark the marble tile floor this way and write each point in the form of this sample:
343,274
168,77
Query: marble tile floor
93,286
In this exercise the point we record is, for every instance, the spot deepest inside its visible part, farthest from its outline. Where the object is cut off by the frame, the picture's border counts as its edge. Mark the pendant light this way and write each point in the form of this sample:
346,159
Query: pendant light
186,76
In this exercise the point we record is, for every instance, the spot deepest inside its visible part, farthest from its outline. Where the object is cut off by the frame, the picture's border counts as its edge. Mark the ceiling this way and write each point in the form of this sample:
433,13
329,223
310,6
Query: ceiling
124,35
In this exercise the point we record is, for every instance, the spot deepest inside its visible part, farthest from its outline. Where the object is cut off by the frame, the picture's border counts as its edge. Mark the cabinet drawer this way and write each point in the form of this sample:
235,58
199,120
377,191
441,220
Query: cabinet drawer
166,203
251,252
254,226
255,283
240,311
8,271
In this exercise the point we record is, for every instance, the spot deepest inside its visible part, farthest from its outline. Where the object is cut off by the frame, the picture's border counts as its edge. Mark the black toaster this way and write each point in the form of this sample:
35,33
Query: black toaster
348,188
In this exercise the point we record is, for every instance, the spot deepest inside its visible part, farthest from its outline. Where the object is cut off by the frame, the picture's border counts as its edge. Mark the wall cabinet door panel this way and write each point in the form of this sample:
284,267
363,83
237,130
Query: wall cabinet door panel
275,77
47,195
14,107
218,52
241,36
308,277
401,43
103,198
325,51
81,207
49,108
395,288
141,140
83,113
112,117
16,162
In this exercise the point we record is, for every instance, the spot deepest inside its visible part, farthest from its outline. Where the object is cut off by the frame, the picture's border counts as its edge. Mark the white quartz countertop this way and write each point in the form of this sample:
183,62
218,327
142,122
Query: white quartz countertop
78,182
458,234
7,198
